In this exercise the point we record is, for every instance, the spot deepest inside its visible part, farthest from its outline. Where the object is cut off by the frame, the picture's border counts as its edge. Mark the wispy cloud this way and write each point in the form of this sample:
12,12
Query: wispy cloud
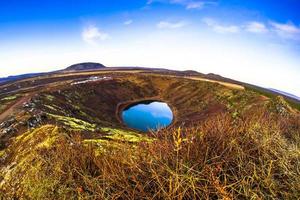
286,30
171,25
219,28
188,4
128,22
274,29
91,34
256,27
195,5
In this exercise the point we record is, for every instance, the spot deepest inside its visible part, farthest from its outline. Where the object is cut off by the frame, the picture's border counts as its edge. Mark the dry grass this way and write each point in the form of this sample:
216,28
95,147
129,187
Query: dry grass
222,158
230,85
226,84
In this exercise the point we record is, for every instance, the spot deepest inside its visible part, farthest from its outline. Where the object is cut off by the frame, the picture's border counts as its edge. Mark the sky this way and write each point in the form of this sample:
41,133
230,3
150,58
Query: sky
254,41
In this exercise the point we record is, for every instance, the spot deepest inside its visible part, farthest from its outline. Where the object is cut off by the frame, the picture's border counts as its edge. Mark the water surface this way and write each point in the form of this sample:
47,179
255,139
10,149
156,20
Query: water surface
147,115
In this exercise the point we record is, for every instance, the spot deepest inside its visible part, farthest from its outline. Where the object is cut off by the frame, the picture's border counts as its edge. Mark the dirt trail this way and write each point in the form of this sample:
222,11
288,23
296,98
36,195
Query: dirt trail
8,111
231,85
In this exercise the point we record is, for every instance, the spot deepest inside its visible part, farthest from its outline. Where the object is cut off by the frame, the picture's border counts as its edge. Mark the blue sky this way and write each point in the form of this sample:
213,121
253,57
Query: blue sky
253,41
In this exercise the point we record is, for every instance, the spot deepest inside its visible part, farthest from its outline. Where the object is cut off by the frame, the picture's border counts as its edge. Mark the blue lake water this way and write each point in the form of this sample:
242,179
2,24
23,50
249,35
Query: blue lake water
148,115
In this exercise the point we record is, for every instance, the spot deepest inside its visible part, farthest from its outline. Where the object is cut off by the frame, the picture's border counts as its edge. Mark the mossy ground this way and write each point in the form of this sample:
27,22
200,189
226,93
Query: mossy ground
74,123
225,144
10,98
5,101
2,153
257,159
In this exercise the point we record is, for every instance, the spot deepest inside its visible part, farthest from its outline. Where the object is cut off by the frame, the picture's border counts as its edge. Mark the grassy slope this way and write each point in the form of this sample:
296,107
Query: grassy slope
191,100
294,103
232,144
256,159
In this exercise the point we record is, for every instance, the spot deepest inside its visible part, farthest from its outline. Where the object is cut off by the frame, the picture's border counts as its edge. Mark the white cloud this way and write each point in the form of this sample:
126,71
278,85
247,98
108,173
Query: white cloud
227,29
128,22
195,5
242,59
221,28
287,30
170,25
209,21
188,4
256,27
92,35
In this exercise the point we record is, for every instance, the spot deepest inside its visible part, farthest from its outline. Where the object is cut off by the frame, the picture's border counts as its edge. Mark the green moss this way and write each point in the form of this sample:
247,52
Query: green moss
11,98
26,136
293,103
235,114
74,123
40,189
50,140
101,146
123,135
26,144
51,107
49,97
80,111
28,148
2,107
224,93
280,106
116,139
46,134
2,153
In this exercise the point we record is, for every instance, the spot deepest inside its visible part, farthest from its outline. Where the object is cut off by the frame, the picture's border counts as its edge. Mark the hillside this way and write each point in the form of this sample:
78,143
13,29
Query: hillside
286,94
61,136
85,66
18,77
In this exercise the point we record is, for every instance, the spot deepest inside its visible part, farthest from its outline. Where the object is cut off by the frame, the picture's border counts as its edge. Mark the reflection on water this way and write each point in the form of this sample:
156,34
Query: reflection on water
148,115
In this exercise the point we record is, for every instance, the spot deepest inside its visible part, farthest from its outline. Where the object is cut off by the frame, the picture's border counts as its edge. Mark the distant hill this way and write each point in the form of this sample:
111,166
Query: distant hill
18,77
192,73
285,94
85,66
75,67
265,91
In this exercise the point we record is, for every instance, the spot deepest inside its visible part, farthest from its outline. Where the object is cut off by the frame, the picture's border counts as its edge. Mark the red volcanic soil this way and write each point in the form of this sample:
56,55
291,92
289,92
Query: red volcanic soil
10,109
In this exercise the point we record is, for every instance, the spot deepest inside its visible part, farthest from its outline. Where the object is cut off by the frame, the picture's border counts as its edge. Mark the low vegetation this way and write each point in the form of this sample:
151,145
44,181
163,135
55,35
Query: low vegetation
221,158
292,102
5,101
224,144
